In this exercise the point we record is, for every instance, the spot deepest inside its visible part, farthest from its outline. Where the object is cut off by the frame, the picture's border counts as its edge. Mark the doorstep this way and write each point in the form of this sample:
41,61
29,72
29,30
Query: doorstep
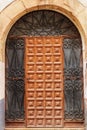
44,129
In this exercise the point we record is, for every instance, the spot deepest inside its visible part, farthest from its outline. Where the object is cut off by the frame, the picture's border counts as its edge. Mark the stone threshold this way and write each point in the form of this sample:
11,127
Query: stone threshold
44,129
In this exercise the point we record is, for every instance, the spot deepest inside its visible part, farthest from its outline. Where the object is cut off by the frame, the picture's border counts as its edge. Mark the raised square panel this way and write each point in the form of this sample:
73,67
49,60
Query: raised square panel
57,122
57,67
39,42
39,58
31,58
30,67
31,94
39,85
47,42
39,50
57,113
48,58
49,113
39,76
57,85
57,94
39,94
48,67
49,103
57,41
48,85
48,76
31,50
31,85
48,94
40,103
31,121
56,76
39,67
49,122
39,112
31,112
40,122
57,58
48,49
30,41
31,103
57,103
56,50
31,76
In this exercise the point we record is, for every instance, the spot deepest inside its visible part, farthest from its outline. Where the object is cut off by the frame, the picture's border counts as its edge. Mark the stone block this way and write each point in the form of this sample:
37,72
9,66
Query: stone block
36,3
4,22
16,9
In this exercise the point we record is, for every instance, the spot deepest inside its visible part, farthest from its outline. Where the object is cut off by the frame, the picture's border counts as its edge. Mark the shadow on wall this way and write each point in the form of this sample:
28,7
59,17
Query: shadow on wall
2,114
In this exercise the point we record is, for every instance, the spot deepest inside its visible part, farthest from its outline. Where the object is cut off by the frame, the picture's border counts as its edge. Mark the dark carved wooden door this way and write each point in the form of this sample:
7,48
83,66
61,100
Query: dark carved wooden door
44,82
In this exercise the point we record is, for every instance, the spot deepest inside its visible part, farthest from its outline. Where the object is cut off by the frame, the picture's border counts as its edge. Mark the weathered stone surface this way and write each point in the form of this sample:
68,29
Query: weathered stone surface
2,114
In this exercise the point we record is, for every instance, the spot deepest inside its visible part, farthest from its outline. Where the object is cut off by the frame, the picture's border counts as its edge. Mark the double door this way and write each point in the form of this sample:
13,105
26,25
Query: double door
44,82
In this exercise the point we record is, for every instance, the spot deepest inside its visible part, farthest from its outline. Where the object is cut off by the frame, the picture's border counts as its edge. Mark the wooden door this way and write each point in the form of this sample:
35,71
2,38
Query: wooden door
44,82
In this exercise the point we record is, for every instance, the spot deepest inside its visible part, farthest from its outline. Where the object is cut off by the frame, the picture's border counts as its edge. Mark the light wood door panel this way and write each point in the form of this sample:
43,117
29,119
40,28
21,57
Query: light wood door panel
44,81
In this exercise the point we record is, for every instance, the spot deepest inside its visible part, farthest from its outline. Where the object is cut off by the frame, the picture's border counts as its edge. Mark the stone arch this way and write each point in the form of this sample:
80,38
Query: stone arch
21,7
18,8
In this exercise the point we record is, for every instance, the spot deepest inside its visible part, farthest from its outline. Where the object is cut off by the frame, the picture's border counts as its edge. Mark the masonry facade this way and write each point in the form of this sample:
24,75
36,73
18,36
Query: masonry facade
73,10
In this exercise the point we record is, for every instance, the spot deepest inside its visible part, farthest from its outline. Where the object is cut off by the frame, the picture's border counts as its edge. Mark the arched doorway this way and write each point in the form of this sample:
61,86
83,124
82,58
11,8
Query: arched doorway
44,80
